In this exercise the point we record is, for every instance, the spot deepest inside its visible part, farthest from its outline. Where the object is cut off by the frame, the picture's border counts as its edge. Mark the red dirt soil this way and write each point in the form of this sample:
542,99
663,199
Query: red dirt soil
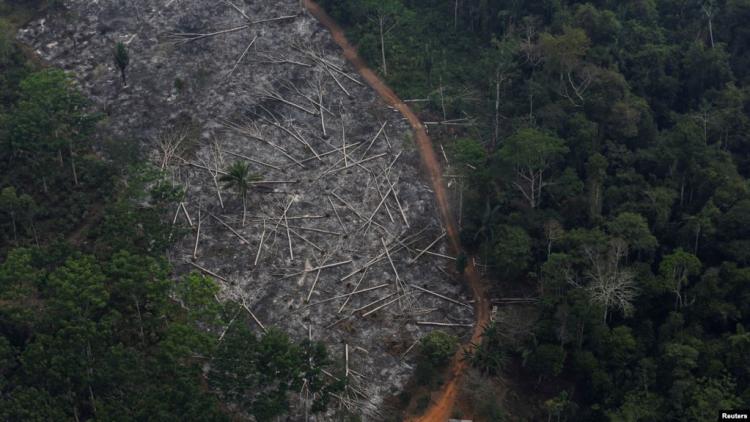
441,407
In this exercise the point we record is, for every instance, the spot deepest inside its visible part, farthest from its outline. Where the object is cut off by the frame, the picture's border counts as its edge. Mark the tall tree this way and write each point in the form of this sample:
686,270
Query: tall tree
122,60
512,249
385,14
596,170
633,228
17,208
239,178
531,153
50,116
675,270
610,286
563,55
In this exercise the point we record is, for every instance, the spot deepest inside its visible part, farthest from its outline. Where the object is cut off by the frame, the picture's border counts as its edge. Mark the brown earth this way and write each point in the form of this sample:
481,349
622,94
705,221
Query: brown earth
443,400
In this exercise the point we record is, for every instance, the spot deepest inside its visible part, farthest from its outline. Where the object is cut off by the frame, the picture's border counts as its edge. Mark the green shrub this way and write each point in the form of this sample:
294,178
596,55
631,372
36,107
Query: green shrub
491,355
438,347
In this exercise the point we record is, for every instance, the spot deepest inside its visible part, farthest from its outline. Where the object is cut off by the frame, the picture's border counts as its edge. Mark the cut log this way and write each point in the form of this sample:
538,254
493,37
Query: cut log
310,229
428,248
190,220
347,295
380,307
403,355
304,239
335,211
388,254
244,157
280,18
242,238
337,81
373,139
257,321
347,205
322,267
276,96
395,196
422,289
197,236
207,271
444,324
186,37
242,56
240,11
353,291
356,163
375,302
369,220
289,238
260,246
312,289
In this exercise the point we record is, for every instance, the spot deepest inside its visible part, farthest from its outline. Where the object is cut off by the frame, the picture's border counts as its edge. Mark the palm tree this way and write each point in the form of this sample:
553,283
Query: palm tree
122,59
239,178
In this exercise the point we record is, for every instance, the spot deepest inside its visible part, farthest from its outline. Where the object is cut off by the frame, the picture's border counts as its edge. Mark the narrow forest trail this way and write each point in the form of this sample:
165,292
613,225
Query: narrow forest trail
443,401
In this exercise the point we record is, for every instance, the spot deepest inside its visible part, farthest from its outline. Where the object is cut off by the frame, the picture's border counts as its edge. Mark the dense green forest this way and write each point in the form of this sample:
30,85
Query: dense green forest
93,326
606,146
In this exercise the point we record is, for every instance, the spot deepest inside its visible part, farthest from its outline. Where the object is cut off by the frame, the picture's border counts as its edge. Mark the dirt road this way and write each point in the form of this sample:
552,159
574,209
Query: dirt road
443,400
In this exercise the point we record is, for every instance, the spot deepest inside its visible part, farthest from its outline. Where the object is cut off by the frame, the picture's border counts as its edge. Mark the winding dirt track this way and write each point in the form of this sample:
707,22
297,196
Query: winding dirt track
442,405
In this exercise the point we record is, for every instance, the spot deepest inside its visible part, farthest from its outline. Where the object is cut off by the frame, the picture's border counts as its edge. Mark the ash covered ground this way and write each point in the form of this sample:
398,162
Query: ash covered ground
342,206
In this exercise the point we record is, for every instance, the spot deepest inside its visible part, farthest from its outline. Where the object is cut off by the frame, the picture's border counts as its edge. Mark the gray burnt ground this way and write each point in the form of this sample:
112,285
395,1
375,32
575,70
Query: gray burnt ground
342,205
